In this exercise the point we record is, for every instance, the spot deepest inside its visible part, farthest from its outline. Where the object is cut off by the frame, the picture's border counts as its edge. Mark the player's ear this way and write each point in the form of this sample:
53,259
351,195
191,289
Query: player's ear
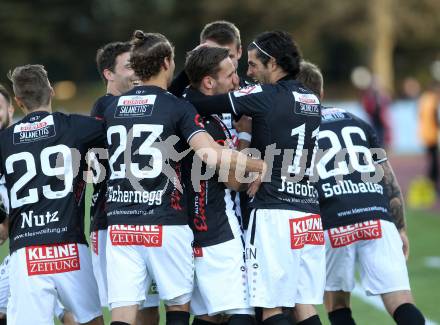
166,63
208,82
239,52
108,75
11,110
272,64
21,105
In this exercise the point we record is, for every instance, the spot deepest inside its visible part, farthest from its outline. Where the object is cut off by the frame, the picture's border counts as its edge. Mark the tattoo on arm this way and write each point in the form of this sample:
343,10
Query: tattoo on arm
392,190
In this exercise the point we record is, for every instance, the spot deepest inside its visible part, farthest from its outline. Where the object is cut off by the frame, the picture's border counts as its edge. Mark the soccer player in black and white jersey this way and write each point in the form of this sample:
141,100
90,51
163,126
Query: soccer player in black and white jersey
148,234
222,33
218,243
363,218
113,64
6,120
285,242
39,160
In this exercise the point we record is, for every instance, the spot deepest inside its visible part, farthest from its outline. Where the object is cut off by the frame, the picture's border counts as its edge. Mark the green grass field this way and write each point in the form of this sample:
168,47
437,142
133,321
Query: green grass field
424,238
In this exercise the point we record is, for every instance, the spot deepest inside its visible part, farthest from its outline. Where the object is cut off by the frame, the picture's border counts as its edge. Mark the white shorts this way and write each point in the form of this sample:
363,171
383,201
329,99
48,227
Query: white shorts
43,273
285,258
98,243
4,284
220,280
143,253
377,247
5,292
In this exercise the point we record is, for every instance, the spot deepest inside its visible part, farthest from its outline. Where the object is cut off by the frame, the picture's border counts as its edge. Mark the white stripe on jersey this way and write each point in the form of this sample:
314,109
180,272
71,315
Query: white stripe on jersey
230,212
193,134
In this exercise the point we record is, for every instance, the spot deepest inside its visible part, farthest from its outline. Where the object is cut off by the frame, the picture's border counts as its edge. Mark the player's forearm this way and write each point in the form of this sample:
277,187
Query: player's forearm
240,161
217,104
396,202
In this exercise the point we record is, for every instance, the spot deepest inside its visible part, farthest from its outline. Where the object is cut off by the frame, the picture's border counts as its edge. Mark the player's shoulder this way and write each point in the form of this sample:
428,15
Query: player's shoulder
330,115
101,104
252,89
179,104
75,120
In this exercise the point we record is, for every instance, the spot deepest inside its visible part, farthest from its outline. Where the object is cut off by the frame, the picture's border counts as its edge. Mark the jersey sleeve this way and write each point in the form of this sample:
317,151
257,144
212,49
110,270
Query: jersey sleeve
189,123
251,100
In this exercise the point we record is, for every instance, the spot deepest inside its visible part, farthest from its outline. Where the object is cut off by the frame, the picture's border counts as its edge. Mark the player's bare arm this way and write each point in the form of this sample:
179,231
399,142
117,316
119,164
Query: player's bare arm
213,154
394,193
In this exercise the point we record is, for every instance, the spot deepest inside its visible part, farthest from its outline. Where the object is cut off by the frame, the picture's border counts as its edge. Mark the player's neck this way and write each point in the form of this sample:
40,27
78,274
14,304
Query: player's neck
158,81
207,92
47,109
111,89
277,76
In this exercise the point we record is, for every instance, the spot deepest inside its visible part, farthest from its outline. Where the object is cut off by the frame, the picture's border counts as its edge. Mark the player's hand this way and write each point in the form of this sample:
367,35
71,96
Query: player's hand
255,185
244,124
405,243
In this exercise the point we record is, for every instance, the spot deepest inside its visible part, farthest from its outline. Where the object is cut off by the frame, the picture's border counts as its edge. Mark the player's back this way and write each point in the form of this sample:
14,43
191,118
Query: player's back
42,159
142,187
348,192
285,116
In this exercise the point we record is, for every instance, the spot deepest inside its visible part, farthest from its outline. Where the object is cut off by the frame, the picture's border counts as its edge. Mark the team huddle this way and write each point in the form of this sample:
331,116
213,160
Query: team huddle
235,201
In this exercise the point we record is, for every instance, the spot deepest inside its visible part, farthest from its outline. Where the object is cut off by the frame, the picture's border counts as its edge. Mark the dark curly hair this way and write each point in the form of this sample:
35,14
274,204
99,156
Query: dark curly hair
280,46
148,52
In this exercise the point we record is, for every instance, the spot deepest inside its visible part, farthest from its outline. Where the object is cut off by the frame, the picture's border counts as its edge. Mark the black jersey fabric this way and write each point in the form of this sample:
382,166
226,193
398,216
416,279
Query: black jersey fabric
98,211
284,115
144,174
212,206
43,160
347,194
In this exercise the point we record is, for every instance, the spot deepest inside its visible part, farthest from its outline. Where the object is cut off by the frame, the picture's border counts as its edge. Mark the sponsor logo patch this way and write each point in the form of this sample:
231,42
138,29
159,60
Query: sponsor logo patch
94,242
198,251
248,90
136,235
153,289
306,230
333,114
34,131
135,106
306,104
52,259
346,235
